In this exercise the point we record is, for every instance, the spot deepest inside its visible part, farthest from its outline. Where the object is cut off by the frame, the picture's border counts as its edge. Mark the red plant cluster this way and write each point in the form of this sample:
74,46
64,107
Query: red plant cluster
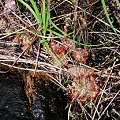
58,49
84,85
66,47
80,54
69,45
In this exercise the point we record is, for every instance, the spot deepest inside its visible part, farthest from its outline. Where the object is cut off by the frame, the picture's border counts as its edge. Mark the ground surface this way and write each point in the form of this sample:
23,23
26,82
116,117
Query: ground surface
83,52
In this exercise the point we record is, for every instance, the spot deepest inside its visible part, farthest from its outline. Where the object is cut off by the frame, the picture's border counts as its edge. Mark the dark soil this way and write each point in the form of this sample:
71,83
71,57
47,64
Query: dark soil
49,103
13,101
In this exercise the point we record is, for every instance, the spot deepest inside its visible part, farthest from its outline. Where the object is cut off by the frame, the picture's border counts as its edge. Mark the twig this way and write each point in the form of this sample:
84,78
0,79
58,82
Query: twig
108,105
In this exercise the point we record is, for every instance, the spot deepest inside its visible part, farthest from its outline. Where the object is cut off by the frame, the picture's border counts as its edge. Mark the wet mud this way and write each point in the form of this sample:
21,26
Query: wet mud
45,102
13,101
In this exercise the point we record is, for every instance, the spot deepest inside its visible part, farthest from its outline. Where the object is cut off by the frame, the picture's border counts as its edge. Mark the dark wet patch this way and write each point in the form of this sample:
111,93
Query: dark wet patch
13,101
49,102
53,102
46,101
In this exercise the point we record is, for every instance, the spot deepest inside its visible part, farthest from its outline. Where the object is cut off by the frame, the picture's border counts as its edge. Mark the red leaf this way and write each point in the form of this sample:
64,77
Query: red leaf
58,49
80,54
69,45
84,85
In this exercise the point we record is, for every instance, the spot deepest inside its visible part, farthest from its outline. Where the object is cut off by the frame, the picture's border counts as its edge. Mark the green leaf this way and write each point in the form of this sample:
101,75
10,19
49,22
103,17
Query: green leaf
108,18
31,10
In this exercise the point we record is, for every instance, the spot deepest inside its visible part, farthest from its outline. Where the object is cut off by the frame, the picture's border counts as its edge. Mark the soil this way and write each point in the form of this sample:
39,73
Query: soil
42,102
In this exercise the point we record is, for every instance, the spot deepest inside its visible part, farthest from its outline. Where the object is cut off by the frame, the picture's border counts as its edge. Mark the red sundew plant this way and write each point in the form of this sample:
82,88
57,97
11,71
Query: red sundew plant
66,47
80,54
84,85
58,49
69,45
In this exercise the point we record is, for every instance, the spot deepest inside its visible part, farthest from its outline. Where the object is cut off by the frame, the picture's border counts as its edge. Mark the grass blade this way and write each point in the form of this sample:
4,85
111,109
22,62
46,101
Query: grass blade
108,18
36,9
30,9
